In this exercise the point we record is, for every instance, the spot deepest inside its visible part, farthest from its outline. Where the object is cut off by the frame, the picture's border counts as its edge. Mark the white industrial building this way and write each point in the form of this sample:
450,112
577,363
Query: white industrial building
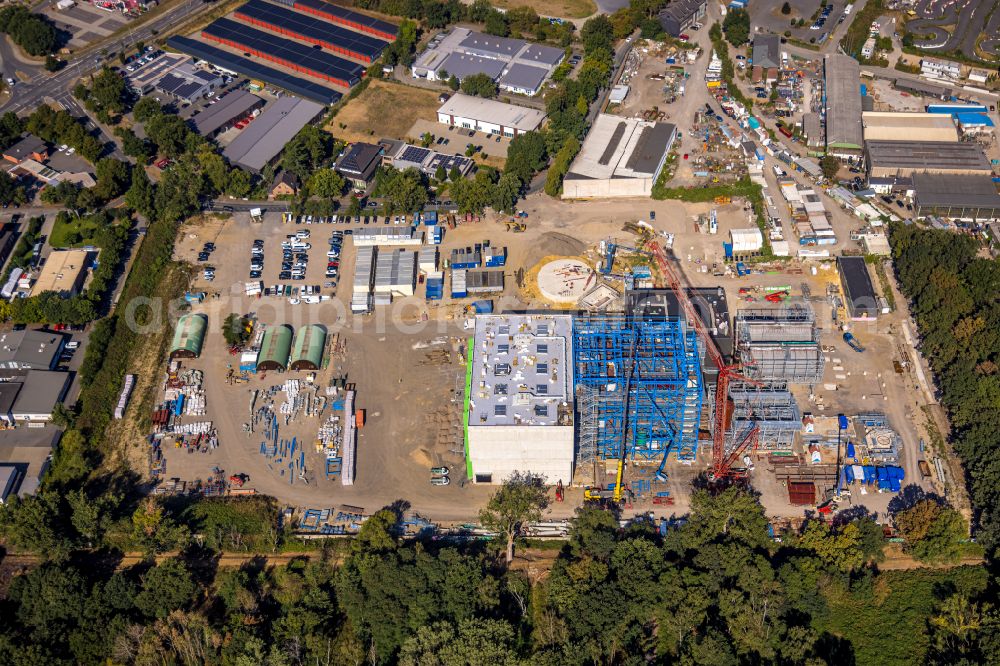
364,273
746,242
490,116
516,65
374,236
521,398
899,126
621,157
940,69
396,272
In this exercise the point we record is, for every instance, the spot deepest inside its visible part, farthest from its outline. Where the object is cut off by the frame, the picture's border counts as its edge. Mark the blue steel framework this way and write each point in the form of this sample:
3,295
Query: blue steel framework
665,404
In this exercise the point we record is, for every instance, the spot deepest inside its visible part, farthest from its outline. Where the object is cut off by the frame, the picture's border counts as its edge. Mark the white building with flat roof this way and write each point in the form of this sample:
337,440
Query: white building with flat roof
621,157
521,398
516,65
940,69
490,116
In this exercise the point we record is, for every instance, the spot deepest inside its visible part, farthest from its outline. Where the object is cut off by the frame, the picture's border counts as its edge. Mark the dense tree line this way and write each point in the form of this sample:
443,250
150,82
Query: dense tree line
712,589
954,294
32,32
105,95
60,127
436,14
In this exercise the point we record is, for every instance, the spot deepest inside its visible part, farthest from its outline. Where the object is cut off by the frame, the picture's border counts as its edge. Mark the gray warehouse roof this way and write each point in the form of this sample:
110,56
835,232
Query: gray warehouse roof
462,65
233,105
766,50
955,190
622,148
927,156
922,87
266,136
491,45
524,77
29,349
40,392
541,54
843,101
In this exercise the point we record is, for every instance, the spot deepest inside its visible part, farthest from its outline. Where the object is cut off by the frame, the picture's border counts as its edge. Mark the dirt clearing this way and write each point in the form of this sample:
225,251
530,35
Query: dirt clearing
384,109
559,8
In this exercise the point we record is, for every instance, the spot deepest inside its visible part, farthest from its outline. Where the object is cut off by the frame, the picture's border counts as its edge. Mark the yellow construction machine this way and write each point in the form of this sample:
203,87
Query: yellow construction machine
516,227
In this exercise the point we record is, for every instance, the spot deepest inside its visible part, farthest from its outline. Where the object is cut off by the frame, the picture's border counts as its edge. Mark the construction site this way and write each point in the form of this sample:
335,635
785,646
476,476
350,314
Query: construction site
626,366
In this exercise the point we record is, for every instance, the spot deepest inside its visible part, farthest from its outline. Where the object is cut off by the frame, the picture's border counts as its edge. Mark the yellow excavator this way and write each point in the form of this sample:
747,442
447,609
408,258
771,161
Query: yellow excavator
516,227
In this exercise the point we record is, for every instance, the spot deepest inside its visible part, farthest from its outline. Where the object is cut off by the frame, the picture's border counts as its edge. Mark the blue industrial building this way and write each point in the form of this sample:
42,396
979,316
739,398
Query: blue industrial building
654,412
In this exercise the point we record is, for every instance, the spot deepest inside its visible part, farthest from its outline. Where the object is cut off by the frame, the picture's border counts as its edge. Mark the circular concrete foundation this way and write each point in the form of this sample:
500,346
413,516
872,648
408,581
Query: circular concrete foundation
565,280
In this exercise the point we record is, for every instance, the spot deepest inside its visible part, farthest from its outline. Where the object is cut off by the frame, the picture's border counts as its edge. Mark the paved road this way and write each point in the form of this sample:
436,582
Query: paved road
234,205
44,86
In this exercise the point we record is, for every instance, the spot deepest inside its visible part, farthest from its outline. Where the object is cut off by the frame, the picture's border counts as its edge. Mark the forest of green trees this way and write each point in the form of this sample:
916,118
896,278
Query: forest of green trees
713,589
954,292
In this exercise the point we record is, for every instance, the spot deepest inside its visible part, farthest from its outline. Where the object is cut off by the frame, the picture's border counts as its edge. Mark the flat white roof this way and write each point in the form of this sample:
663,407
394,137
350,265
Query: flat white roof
619,147
897,126
522,370
491,111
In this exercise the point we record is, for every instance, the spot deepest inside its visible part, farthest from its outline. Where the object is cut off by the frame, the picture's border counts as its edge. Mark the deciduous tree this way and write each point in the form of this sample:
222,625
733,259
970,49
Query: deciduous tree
521,499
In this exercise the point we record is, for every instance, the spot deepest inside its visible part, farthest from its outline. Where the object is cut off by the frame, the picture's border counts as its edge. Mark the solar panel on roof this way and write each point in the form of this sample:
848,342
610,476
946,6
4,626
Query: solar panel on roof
316,31
291,54
414,154
254,70
351,18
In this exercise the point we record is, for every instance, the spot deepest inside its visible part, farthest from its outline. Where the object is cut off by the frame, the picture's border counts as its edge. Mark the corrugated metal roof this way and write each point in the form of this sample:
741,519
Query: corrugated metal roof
524,77
307,351
275,348
265,137
843,101
462,65
189,335
233,105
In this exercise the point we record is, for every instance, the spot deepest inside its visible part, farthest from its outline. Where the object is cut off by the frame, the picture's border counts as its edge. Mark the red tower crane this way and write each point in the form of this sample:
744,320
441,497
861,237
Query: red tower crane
722,463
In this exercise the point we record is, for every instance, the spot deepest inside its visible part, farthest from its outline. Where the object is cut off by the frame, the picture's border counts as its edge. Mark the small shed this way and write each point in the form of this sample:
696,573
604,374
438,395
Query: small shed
275,348
307,351
189,336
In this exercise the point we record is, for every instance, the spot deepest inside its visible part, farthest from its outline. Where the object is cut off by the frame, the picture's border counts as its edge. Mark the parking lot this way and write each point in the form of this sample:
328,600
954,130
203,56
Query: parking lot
819,22
85,23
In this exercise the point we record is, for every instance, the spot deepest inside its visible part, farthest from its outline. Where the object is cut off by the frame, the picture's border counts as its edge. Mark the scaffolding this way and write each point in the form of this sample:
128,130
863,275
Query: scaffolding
772,407
665,395
779,344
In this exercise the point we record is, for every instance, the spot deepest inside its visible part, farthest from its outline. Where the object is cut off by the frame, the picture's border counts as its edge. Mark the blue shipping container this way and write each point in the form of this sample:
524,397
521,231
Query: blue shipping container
483,307
430,218
435,289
